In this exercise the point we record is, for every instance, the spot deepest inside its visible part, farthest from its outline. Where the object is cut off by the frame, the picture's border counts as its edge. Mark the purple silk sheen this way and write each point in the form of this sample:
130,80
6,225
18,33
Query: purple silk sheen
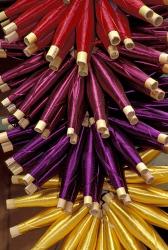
37,144
95,96
19,134
125,146
58,97
15,83
107,159
72,165
73,190
28,165
35,112
141,52
162,105
15,54
146,142
149,38
126,69
109,82
75,100
25,87
57,118
14,45
89,166
98,185
46,83
148,67
52,171
12,120
25,67
19,144
139,130
152,114
51,156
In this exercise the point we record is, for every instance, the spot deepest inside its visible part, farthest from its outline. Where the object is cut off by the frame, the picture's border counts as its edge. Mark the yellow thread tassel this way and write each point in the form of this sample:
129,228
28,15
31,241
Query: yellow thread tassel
101,241
151,214
127,239
89,242
72,240
58,231
112,240
149,155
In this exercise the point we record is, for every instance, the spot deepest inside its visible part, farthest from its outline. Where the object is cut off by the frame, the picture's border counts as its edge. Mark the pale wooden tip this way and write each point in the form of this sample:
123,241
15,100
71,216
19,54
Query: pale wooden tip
151,84
163,58
18,114
23,123
141,168
41,125
121,193
46,133
30,39
5,121
82,57
156,20
7,146
127,200
105,134
165,68
113,52
162,138
108,197
95,210
17,170
3,16
56,63
82,69
4,137
11,108
148,177
128,43
6,102
114,37
3,53
14,232
28,179
70,132
158,94
52,53
4,88
68,207
91,121
10,204
31,189
88,201
61,203
74,139
146,12
15,179
4,23
9,28
101,126
10,161
12,37
30,50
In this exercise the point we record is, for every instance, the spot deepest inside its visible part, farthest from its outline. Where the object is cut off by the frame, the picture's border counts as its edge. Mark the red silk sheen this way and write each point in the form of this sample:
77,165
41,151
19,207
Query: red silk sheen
58,97
49,21
45,41
68,45
110,83
96,97
105,16
122,22
102,36
75,10
19,7
25,30
75,102
130,6
36,13
85,28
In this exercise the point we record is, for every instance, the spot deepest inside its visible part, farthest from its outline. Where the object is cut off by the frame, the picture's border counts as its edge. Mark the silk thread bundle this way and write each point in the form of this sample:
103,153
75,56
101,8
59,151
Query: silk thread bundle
150,88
